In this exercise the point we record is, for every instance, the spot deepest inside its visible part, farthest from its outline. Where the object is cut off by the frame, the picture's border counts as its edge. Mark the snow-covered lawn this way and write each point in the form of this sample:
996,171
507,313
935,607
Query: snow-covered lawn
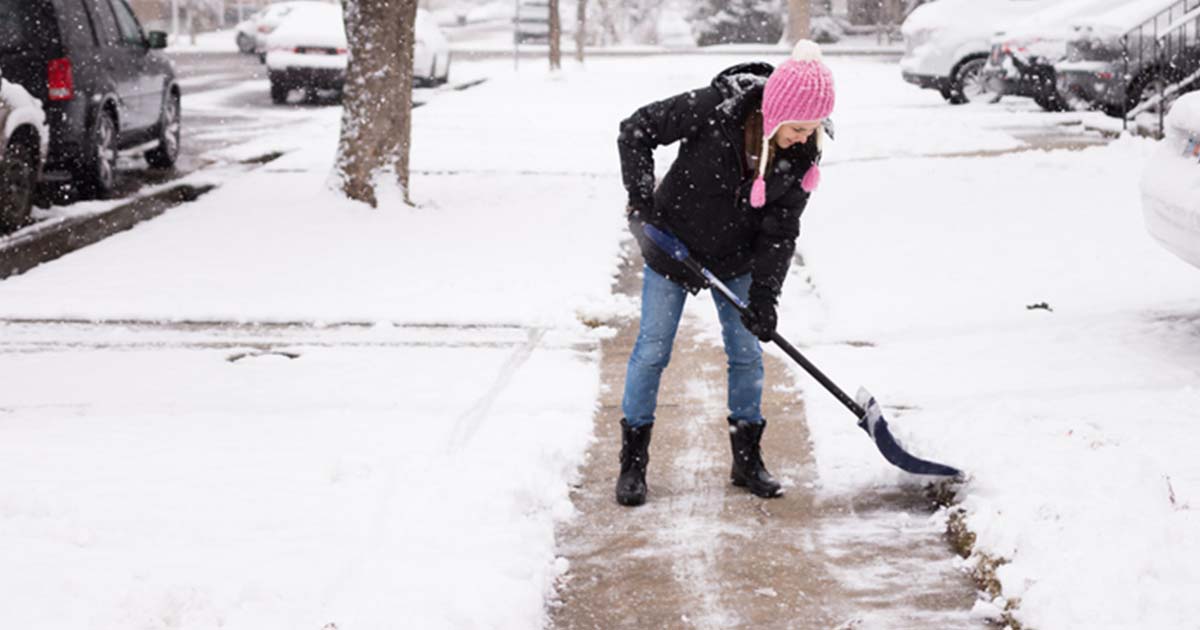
402,475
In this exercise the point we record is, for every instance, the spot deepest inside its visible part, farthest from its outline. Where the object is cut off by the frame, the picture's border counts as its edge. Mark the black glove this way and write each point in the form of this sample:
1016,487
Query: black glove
760,318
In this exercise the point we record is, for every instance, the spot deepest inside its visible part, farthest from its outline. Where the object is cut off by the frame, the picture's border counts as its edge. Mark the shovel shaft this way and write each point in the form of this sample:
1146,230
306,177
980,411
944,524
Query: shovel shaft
778,339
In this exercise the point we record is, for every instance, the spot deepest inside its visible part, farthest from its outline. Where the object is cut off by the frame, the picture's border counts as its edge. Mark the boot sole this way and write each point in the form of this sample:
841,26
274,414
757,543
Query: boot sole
741,483
631,502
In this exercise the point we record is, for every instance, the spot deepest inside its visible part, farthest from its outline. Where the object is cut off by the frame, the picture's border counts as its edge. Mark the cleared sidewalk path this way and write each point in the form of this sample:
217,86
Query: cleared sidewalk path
704,554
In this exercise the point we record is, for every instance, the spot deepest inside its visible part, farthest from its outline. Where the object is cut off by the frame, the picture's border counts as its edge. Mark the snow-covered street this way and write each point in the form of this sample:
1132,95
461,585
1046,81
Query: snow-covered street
272,408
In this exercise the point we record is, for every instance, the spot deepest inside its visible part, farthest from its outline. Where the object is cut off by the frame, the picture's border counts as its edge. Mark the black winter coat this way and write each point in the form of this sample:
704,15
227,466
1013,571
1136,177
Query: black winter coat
705,197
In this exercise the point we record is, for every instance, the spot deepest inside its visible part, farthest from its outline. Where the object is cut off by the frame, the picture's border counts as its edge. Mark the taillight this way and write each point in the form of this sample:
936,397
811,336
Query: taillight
342,51
60,79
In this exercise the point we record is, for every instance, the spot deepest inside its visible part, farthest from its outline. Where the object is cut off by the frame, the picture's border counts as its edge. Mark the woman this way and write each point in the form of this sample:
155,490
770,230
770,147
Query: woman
749,147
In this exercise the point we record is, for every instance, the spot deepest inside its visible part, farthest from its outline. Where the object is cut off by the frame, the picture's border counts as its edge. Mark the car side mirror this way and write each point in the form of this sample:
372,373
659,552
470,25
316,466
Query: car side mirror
156,40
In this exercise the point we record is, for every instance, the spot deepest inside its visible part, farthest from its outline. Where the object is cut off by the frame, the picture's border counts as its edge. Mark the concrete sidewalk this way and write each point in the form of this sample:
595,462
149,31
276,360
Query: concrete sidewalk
704,554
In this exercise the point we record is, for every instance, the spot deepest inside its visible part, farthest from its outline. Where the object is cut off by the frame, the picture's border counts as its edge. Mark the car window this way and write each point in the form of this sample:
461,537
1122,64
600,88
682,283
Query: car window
23,25
106,23
76,24
131,31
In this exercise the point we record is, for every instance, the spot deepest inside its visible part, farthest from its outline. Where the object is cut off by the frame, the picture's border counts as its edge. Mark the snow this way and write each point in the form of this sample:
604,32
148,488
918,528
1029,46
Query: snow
1129,15
25,110
407,468
971,18
1056,21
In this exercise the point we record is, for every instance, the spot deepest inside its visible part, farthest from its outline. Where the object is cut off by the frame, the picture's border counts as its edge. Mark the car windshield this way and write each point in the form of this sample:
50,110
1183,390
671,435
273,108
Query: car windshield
22,25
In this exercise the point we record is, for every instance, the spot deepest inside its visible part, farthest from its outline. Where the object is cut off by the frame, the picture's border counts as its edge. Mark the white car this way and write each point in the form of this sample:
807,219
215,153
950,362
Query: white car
247,33
947,44
310,50
24,143
1171,183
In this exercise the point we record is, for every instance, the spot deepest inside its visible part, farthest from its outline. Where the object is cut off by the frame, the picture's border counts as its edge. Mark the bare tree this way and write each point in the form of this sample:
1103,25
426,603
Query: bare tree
555,36
580,29
799,20
377,104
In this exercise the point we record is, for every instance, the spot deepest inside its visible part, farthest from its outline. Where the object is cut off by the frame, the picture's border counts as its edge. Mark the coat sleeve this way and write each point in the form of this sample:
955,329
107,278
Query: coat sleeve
775,244
658,124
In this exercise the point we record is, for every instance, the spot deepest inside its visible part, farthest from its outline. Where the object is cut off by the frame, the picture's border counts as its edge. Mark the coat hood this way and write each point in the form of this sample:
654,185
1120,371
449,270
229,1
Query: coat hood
741,86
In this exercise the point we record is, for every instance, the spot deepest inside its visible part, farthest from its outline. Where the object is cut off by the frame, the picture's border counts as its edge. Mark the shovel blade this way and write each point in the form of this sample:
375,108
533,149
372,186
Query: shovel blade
876,426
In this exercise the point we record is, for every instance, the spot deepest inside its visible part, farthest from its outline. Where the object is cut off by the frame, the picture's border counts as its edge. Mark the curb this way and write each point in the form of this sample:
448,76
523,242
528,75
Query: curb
55,241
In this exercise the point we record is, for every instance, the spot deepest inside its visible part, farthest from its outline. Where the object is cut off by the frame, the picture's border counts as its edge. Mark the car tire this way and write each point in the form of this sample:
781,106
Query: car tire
169,132
968,84
245,44
97,171
1050,102
279,92
18,180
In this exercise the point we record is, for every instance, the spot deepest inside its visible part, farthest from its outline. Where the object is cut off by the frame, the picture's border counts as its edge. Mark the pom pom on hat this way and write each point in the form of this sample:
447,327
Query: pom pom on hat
758,192
807,50
812,179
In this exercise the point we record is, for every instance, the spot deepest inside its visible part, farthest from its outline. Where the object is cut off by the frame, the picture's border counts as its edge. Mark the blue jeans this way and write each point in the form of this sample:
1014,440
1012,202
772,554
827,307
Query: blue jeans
662,306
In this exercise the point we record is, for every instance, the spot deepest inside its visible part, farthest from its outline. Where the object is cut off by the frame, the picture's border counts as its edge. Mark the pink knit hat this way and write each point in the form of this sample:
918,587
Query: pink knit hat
799,90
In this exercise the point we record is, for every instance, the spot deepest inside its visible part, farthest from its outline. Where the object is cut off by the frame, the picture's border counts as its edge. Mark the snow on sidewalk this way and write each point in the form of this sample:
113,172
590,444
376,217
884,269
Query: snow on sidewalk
400,462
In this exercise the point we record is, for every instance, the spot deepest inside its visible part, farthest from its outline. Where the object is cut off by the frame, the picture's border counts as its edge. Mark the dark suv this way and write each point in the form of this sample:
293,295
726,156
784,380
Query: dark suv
104,85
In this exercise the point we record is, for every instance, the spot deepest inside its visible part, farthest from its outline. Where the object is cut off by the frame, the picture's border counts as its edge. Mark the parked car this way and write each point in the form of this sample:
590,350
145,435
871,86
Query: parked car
947,44
309,50
1113,63
103,82
24,143
1023,56
1171,183
246,33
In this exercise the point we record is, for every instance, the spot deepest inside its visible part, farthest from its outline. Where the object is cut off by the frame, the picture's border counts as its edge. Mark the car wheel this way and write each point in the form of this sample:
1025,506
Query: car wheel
18,178
970,86
98,169
169,127
1050,101
245,44
279,92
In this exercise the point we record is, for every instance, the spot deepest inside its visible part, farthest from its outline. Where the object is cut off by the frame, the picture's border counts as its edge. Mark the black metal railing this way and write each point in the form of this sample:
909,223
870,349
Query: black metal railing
1162,53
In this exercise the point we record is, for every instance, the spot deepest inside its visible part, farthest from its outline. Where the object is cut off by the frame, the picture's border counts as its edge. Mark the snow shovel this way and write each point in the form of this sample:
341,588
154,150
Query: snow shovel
870,416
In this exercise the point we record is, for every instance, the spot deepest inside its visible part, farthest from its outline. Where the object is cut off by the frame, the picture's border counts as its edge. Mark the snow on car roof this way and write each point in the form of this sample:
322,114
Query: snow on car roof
312,24
1057,20
1126,16
971,15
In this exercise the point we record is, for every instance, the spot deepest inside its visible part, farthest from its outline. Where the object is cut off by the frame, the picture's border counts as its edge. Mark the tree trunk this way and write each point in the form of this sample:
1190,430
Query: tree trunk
799,12
555,37
377,100
580,29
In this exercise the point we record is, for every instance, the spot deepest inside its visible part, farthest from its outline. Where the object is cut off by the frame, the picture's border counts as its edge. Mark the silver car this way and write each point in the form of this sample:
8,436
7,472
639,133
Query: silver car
24,142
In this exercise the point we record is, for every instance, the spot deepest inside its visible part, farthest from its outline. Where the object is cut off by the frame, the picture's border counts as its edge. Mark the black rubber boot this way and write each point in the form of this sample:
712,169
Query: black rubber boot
748,468
635,454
